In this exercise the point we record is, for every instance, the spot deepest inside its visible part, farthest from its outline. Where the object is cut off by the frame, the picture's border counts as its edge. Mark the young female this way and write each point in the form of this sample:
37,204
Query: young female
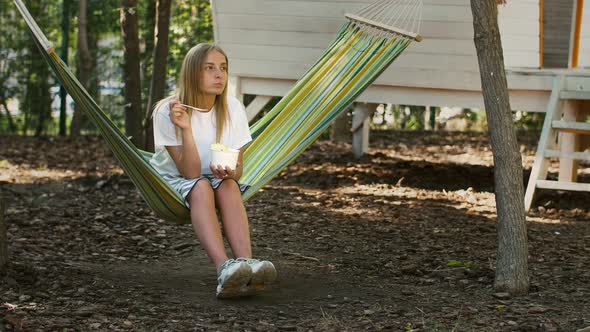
183,138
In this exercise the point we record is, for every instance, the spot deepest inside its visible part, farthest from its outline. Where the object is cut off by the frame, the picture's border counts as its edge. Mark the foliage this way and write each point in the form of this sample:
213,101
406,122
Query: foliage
30,73
528,121
470,119
456,263
399,117
190,24
24,75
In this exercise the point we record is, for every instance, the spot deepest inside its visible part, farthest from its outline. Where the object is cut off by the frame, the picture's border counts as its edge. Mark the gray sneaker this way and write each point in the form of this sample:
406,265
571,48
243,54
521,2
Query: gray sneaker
234,275
263,274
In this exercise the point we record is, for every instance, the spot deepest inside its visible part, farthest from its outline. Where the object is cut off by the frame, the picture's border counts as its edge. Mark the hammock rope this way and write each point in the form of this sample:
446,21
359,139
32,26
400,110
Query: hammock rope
364,47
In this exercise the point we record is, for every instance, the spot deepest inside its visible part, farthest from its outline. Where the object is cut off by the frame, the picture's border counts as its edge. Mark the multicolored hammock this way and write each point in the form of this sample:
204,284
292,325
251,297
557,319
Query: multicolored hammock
365,46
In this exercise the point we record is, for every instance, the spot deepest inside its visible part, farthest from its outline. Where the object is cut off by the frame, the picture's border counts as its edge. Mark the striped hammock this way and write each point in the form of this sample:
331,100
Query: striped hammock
365,46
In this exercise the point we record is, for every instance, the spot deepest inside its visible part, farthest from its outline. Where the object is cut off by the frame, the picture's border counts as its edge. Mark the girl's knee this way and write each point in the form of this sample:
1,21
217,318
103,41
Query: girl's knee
229,185
201,189
202,186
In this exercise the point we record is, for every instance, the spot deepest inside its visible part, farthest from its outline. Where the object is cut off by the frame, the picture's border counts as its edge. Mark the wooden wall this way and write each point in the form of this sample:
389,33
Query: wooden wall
280,39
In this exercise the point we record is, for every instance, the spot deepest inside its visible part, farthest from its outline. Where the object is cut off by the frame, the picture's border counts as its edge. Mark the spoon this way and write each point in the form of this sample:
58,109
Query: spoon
202,110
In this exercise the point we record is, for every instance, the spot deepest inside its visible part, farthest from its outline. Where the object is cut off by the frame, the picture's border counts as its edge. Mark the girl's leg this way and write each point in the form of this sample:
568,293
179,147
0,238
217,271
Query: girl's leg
205,223
234,218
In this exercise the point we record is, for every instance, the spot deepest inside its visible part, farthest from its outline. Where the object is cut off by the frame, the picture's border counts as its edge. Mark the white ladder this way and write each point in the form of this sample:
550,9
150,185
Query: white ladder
559,136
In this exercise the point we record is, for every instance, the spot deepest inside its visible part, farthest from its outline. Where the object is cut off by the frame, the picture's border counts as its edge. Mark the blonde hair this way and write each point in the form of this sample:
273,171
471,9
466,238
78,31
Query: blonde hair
188,89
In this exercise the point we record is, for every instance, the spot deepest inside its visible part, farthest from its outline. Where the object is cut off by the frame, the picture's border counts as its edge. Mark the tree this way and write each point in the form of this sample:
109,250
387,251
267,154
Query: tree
191,24
9,35
158,82
511,265
37,98
85,63
131,70
147,28
65,45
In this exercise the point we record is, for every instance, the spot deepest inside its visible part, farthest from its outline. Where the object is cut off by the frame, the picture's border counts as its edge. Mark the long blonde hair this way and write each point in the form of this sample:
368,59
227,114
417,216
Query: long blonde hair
188,89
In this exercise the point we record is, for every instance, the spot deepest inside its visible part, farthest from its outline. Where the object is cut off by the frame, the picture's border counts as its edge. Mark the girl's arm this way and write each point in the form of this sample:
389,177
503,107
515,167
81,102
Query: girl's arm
185,156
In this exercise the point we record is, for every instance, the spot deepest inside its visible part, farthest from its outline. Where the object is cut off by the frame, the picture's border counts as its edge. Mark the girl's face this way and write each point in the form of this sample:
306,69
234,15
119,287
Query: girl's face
213,73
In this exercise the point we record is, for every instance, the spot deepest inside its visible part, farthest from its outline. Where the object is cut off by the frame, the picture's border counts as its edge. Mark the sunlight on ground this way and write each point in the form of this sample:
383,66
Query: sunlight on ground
24,175
482,203
544,220
438,155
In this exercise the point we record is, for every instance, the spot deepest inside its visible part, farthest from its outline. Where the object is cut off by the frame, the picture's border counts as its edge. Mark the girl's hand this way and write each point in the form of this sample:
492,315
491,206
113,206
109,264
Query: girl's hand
179,115
222,173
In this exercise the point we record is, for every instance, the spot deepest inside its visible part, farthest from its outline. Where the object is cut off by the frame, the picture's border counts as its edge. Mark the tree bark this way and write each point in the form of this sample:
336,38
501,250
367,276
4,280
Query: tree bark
147,27
511,265
43,104
65,44
11,125
35,104
131,72
158,82
3,238
85,66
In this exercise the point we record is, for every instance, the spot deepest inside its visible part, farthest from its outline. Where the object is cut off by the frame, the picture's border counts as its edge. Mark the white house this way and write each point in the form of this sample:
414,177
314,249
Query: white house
271,43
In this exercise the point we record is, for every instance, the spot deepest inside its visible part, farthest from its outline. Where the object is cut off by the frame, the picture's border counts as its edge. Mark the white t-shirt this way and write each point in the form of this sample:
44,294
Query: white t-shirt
236,134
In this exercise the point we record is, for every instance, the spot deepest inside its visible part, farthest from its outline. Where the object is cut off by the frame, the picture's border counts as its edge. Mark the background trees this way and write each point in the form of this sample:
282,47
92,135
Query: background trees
92,35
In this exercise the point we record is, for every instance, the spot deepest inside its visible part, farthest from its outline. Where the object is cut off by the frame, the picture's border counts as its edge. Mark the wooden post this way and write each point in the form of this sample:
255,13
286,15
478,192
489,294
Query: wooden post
360,129
427,115
546,141
256,106
234,87
3,238
584,142
570,142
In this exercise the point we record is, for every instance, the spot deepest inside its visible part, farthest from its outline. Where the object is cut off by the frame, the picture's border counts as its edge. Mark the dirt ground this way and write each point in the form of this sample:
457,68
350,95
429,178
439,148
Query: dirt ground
401,240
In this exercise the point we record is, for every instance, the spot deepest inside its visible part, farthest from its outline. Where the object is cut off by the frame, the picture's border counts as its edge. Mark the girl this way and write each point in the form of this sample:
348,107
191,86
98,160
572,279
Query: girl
182,139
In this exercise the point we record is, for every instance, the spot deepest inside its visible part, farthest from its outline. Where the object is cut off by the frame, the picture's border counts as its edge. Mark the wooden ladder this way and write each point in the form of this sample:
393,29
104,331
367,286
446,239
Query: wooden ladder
560,134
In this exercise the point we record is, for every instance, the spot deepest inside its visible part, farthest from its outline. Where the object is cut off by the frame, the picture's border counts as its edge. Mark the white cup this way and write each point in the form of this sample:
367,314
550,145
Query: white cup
228,157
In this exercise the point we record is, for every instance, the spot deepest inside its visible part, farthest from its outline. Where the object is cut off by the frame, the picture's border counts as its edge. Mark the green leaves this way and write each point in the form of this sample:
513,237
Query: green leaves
23,73
455,263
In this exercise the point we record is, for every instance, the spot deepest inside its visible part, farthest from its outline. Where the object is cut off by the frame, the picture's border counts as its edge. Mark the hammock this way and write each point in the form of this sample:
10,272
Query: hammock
364,47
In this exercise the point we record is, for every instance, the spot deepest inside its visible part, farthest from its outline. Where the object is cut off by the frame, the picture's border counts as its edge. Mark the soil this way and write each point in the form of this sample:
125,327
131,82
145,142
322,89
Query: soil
403,239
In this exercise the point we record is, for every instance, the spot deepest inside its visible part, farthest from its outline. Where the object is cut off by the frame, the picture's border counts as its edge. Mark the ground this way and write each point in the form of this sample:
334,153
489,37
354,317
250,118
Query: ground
401,240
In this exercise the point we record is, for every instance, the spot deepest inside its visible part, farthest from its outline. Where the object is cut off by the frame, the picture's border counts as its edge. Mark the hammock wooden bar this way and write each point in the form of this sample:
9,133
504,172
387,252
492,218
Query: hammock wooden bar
382,26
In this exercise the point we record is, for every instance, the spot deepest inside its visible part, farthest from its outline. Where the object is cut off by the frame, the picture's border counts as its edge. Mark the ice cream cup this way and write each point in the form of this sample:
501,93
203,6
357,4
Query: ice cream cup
226,157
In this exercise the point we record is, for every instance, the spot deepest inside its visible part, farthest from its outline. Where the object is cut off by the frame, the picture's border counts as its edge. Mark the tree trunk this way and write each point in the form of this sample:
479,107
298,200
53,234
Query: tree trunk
511,265
11,126
131,70
38,95
36,101
43,104
3,238
158,83
146,29
85,66
65,44
148,34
